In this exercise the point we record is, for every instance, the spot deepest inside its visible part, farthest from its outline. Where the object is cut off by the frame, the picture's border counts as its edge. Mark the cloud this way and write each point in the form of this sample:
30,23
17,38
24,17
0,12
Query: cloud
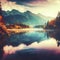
49,44
12,5
45,7
27,0
10,49
29,3
33,2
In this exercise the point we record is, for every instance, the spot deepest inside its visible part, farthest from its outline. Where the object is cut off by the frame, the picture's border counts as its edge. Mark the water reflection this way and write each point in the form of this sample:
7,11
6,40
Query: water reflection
26,38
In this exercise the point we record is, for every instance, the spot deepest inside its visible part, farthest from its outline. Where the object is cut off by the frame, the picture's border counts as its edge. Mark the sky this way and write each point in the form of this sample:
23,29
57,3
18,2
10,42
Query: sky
45,7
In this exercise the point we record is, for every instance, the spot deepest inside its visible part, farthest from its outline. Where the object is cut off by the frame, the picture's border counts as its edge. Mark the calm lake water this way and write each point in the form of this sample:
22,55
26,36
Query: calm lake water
26,38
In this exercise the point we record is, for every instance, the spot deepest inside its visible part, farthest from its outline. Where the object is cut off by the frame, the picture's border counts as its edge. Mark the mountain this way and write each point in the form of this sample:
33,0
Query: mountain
28,18
39,26
47,18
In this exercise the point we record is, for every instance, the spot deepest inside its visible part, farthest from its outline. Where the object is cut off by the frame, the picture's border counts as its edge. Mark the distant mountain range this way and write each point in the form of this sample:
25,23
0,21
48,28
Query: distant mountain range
27,18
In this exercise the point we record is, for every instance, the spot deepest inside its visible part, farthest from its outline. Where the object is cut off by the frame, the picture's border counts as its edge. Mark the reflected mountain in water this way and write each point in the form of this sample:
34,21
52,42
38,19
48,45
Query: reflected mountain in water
26,38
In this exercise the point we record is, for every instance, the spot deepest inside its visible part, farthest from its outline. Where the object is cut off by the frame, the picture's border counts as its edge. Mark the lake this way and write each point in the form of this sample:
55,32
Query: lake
26,38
